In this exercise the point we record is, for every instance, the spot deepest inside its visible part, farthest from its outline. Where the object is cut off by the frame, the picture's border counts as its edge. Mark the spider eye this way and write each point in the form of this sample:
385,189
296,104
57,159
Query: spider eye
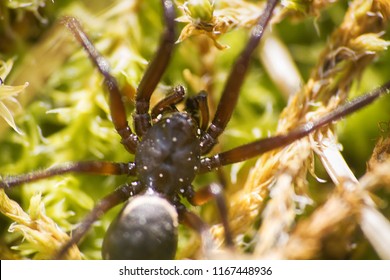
146,228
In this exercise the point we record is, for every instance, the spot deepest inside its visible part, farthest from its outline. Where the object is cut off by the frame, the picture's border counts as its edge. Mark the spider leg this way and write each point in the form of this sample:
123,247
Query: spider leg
117,108
194,222
89,167
207,193
236,77
167,104
198,104
261,146
121,194
155,70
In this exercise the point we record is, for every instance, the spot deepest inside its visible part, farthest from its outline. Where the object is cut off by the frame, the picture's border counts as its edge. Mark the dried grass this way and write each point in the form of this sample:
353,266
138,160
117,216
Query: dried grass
279,177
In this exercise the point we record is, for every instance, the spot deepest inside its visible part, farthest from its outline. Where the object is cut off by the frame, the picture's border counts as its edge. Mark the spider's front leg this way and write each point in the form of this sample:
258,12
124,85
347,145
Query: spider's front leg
155,70
117,108
234,82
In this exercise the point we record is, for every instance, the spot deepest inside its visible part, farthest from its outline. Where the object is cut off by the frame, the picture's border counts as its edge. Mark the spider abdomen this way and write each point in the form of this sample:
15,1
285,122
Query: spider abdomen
146,228
168,157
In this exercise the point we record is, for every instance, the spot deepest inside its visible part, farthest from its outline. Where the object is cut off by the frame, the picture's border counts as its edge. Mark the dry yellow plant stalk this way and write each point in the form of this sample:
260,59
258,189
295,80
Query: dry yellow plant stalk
279,177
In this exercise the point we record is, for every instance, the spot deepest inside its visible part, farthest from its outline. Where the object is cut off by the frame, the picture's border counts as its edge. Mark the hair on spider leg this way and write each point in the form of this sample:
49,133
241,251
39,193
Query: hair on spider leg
170,148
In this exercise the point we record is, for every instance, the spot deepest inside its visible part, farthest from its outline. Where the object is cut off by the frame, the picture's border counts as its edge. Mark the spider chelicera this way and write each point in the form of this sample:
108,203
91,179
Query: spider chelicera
170,148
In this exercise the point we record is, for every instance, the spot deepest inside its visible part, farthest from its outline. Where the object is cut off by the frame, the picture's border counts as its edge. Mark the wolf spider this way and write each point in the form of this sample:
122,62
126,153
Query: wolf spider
170,148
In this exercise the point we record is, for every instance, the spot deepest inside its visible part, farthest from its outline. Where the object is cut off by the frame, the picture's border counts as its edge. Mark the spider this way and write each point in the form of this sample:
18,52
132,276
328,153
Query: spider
171,148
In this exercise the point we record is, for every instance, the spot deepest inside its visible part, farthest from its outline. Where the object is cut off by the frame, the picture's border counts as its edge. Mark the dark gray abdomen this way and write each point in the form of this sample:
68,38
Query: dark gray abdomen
145,229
